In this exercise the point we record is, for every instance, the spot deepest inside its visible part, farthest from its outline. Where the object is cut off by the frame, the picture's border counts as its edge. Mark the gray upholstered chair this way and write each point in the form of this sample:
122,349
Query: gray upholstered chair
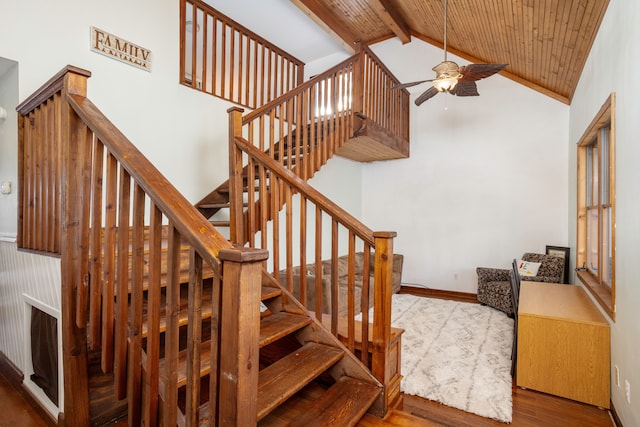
495,290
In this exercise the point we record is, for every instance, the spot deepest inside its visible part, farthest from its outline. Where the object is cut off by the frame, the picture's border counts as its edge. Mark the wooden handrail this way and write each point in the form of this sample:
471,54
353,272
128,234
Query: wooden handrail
302,187
197,231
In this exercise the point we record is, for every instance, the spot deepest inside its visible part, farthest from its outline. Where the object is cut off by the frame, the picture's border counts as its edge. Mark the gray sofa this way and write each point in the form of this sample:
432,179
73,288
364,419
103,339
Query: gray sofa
343,271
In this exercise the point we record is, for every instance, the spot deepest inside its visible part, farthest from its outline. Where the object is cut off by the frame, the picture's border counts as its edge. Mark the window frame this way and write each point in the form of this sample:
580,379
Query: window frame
593,280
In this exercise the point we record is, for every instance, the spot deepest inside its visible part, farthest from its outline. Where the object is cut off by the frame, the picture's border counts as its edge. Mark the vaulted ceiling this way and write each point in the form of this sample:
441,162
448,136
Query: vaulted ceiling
545,42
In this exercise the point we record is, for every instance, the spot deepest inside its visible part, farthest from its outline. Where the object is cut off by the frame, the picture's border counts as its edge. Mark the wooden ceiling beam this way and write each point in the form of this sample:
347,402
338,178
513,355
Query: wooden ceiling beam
392,19
328,22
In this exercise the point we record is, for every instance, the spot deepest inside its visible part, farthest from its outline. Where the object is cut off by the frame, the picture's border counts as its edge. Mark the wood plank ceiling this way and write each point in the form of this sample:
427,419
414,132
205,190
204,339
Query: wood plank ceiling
545,42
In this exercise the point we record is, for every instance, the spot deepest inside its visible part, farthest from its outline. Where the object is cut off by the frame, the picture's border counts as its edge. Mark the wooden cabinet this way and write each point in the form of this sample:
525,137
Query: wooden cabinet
563,343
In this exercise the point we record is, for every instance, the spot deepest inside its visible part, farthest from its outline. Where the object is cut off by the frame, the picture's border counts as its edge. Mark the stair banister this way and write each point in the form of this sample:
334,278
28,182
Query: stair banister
73,130
381,241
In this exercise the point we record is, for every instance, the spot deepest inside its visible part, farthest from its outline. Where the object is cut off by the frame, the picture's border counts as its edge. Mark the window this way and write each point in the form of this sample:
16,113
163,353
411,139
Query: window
596,208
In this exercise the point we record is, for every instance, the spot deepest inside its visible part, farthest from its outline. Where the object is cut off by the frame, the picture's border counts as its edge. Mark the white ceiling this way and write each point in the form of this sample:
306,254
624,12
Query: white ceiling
283,24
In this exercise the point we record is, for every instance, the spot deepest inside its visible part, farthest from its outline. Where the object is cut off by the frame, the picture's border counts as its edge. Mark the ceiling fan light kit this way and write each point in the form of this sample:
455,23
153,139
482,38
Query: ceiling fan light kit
448,74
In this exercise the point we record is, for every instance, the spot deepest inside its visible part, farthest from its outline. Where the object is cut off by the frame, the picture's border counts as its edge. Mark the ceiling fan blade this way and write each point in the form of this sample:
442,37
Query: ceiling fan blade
465,89
427,94
405,85
473,72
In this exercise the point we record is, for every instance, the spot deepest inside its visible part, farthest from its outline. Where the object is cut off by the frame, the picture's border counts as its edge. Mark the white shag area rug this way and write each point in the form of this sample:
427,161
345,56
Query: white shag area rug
456,353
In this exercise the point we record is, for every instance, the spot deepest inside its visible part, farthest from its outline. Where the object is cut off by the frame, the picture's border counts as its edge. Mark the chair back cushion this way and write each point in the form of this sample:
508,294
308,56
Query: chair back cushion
550,266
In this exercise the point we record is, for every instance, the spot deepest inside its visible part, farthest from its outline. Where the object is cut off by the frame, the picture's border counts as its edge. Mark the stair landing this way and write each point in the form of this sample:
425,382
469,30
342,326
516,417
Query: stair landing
371,142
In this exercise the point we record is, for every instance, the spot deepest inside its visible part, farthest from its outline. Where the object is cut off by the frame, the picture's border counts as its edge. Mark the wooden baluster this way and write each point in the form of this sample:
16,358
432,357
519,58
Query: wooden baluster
122,280
290,127
151,373
109,264
289,238
83,278
194,339
235,177
172,339
303,251
240,320
275,223
205,50
252,220
96,245
57,175
351,288
366,268
318,263
216,308
304,137
232,63
214,56
247,74
334,277
134,368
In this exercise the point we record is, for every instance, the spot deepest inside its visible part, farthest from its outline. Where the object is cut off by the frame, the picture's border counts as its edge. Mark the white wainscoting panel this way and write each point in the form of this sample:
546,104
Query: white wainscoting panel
23,273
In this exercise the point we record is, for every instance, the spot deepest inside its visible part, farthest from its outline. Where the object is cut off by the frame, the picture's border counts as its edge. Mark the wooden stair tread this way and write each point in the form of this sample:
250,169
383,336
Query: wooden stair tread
205,366
278,325
272,328
206,310
342,404
284,378
268,292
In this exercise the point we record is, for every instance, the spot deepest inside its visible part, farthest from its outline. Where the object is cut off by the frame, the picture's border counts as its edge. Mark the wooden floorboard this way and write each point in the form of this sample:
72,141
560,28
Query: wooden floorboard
530,409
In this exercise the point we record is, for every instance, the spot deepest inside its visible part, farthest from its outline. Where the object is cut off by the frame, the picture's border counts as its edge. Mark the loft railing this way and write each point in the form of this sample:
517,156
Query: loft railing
384,106
309,124
310,229
221,57
104,198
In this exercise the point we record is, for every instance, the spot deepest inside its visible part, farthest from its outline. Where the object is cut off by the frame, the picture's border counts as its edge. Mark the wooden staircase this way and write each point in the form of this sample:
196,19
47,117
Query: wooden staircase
172,306
298,356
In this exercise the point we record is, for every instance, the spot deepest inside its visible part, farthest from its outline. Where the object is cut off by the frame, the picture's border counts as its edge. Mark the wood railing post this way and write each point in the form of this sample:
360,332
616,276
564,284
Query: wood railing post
235,177
383,282
358,79
239,341
74,340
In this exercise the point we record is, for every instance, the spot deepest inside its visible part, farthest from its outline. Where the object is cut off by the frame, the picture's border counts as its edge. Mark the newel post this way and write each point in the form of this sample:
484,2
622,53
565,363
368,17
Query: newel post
235,177
74,341
240,334
383,279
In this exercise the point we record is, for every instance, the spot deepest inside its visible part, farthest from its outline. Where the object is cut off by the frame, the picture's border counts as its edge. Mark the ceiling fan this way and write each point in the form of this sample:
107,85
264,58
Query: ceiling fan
450,77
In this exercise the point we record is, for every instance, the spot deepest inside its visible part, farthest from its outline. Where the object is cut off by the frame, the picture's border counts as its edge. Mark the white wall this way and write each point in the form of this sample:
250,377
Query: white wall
612,67
486,180
8,147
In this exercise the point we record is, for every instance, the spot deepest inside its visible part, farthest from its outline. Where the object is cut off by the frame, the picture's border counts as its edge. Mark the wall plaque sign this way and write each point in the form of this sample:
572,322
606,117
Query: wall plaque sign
120,49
